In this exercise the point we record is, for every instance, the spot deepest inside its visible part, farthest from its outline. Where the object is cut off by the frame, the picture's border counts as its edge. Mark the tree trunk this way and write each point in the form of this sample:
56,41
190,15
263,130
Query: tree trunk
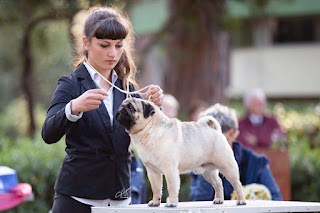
198,52
26,81
27,57
26,74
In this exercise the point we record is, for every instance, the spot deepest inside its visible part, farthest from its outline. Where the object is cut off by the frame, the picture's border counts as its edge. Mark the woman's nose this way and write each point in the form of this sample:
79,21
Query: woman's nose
112,51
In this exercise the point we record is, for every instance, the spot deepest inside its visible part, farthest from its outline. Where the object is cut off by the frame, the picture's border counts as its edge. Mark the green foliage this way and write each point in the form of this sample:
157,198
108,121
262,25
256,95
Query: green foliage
14,119
36,163
53,58
305,166
302,124
9,66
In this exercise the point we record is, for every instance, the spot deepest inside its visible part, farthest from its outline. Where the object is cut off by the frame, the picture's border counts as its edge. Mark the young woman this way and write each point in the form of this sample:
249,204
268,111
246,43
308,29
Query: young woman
96,169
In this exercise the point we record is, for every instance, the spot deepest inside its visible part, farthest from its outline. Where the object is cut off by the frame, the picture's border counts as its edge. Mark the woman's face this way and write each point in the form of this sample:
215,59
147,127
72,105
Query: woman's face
103,54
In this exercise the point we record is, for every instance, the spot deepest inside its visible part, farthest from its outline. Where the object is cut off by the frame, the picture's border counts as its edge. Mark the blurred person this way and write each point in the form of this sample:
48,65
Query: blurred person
253,168
170,106
138,184
258,129
96,169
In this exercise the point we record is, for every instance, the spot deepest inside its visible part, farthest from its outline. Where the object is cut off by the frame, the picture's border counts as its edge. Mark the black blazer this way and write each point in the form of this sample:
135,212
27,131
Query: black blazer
97,163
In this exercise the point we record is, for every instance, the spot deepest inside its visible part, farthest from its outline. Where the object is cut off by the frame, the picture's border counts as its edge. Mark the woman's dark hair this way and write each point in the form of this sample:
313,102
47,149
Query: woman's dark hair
109,23
106,23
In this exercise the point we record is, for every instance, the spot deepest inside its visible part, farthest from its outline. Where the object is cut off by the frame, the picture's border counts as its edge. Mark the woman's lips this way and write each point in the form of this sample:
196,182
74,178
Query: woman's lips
111,61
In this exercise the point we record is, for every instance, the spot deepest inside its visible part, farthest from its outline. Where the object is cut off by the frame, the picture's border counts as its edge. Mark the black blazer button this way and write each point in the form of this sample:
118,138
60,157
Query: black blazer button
112,157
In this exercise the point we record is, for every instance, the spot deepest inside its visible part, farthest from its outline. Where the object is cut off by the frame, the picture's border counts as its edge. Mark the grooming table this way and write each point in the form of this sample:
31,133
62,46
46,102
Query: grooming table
228,206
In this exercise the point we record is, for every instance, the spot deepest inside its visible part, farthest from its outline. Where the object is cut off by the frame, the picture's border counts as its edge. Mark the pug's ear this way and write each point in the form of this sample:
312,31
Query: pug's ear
148,110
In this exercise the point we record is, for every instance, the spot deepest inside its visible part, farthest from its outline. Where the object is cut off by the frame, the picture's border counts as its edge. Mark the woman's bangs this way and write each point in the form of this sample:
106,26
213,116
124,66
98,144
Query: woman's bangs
111,29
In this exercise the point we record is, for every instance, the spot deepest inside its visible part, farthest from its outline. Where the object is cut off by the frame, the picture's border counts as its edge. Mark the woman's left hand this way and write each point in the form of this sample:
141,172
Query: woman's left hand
155,94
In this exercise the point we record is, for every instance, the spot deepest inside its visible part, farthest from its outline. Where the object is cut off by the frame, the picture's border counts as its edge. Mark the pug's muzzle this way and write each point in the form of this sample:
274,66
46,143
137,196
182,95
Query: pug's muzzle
125,117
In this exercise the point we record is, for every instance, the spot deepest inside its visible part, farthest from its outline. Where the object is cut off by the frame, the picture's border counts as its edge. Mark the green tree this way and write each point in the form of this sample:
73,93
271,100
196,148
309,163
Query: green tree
27,15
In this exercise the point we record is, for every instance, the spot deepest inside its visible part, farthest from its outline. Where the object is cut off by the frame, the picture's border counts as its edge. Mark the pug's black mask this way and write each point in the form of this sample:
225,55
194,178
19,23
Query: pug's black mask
125,116
126,113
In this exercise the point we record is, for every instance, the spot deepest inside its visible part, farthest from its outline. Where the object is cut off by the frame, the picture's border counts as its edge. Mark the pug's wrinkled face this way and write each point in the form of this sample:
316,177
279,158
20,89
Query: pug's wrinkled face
134,114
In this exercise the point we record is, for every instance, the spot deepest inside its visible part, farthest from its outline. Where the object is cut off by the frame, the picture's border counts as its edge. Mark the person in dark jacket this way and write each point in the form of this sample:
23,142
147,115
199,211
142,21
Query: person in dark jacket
138,185
96,168
253,167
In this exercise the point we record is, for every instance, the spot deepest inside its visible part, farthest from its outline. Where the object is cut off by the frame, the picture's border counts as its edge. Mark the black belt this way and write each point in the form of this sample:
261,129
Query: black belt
99,154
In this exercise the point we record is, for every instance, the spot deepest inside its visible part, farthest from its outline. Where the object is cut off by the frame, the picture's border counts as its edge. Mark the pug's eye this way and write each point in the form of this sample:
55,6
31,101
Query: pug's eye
130,107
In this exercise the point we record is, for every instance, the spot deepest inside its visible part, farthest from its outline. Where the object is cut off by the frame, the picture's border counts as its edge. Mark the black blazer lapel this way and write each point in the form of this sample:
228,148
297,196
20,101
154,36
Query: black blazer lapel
118,97
85,78
88,84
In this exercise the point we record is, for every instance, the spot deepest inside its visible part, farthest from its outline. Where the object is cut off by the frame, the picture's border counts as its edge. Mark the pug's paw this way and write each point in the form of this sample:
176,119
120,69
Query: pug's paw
171,205
218,201
241,202
153,204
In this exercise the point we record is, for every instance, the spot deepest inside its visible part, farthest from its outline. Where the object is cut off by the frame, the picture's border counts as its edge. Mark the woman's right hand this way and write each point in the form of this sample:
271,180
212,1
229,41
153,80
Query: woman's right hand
89,100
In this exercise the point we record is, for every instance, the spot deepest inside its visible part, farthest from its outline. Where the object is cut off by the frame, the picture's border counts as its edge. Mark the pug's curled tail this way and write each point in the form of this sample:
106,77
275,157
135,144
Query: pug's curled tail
213,123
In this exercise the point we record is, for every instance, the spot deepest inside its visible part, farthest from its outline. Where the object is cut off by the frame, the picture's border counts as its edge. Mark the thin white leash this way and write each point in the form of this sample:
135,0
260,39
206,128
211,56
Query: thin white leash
128,93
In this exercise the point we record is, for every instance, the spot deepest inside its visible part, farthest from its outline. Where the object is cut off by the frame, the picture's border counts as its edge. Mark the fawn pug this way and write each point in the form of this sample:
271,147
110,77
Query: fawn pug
170,147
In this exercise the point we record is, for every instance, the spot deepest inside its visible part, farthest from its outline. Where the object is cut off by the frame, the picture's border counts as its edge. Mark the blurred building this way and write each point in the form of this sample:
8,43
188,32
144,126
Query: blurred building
275,45
276,48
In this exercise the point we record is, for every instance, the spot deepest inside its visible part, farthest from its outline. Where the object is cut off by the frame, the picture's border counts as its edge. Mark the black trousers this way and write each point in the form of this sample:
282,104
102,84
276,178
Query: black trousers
66,204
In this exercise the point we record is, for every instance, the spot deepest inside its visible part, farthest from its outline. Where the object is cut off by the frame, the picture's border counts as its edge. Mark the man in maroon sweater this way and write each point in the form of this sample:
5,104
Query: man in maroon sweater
257,128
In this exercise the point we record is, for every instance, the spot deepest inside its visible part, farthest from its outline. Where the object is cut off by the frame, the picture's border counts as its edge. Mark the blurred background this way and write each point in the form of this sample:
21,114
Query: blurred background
197,50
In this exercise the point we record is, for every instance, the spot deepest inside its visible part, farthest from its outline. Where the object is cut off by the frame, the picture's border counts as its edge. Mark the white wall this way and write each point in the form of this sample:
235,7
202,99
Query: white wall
282,70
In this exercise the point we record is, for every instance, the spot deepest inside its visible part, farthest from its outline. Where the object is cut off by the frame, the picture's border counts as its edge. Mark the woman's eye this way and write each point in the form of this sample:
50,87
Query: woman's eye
104,46
119,45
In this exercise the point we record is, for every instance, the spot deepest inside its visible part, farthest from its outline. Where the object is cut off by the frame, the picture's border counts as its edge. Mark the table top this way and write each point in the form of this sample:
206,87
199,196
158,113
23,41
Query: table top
208,207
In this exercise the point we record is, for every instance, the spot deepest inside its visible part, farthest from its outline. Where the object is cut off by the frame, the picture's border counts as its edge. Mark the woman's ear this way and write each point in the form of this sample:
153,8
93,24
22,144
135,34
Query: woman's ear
85,43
